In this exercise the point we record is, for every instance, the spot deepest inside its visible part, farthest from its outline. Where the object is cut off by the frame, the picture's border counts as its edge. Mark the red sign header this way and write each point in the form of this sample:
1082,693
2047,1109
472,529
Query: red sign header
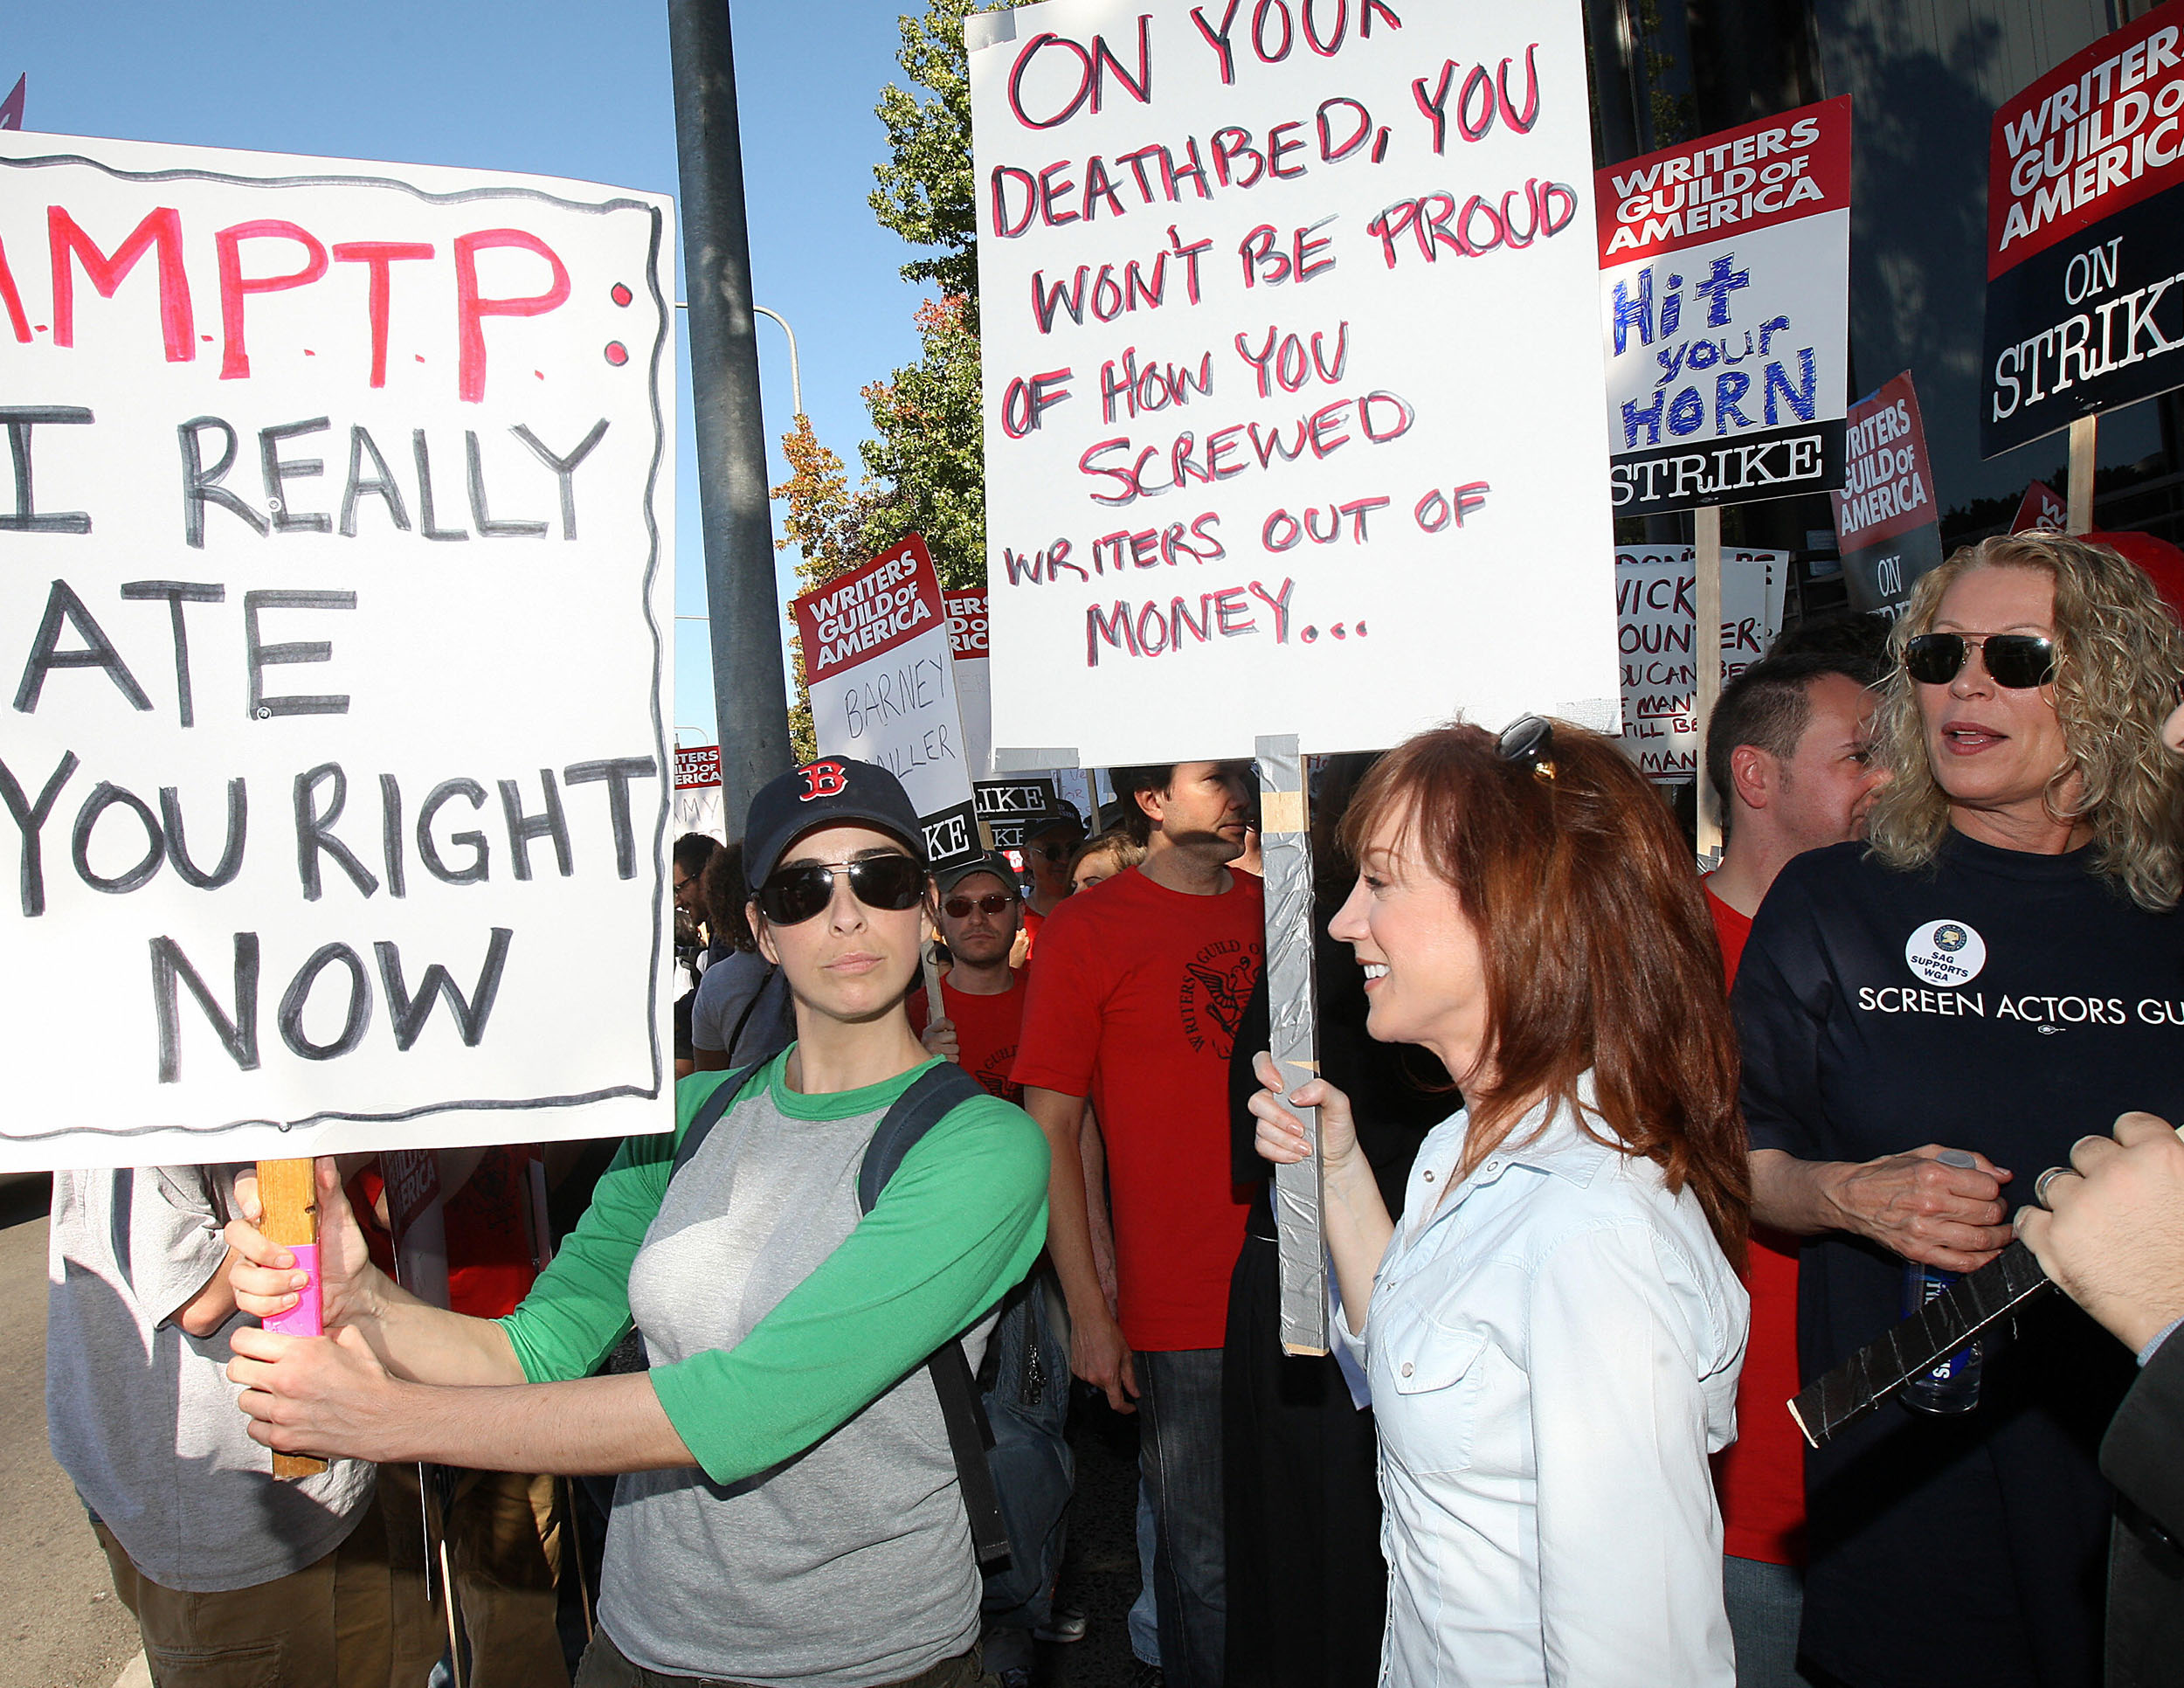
2099,132
967,640
1888,482
1775,170
868,611
697,767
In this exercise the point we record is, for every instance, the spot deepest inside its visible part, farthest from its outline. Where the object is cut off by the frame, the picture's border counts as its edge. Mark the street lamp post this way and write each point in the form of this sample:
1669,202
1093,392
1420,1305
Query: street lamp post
795,375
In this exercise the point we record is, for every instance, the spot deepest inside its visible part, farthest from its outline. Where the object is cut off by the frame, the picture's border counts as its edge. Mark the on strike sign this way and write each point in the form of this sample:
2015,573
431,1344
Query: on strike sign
335,777
1290,385
1724,299
2085,235
882,678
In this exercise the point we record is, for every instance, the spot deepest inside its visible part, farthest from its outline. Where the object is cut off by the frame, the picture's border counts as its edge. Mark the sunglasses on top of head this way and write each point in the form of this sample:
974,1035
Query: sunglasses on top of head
2015,661
792,894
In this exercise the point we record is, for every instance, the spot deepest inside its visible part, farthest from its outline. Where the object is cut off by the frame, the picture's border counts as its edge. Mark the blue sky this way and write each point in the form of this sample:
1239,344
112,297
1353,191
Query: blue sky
559,87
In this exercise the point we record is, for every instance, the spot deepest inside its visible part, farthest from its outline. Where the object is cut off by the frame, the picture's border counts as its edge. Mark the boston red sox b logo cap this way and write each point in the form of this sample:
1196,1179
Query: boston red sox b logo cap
825,792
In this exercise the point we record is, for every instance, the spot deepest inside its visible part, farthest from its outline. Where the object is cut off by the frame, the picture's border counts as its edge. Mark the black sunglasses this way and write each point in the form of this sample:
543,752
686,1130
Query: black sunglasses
1052,852
991,902
791,895
2017,661
1528,742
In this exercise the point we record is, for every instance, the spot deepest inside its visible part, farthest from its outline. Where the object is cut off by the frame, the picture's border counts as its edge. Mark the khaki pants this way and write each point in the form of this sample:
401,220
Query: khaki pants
355,1619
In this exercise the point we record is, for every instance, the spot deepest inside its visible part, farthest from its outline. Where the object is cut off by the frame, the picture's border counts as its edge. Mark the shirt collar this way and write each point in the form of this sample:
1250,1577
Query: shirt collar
1548,1138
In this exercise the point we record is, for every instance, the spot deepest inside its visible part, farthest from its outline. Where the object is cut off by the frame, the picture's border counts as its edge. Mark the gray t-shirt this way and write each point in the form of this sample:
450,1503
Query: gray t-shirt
141,1416
847,1565
723,994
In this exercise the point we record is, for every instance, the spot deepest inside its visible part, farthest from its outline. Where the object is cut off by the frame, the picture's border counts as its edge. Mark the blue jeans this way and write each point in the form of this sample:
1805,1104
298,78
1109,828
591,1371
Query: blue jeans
1179,1459
1034,1471
1144,1616
1764,1603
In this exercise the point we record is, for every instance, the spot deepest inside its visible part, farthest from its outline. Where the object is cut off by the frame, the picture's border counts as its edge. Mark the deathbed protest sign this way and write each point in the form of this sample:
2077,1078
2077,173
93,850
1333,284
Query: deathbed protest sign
877,658
333,770
2085,236
1290,378
1724,300
1656,608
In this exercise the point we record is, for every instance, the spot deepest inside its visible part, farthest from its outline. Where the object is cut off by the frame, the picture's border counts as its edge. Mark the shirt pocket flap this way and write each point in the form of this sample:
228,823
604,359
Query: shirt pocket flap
1436,1357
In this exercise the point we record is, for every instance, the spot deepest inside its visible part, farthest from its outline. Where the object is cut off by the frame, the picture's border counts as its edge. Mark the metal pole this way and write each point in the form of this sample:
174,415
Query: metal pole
795,375
750,698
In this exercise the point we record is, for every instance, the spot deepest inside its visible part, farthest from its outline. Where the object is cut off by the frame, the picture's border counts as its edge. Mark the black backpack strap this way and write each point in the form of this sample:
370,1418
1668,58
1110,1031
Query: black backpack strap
721,1098
930,1099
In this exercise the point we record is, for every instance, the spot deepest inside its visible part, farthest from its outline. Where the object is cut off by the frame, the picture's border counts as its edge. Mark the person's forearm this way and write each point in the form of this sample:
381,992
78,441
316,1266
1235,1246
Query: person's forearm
1069,1225
592,1427
213,1305
1794,1195
1358,1228
429,1345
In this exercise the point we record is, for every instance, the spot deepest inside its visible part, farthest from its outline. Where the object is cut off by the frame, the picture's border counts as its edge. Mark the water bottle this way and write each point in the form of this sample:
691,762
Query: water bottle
1952,1385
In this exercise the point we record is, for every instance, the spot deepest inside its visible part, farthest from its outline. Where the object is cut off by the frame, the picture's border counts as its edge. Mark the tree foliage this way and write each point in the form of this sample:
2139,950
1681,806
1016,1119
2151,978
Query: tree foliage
924,466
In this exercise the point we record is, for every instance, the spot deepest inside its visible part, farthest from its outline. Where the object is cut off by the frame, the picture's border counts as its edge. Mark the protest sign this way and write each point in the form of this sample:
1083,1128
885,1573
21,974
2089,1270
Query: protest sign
700,807
883,687
1290,380
2085,236
1657,609
1725,305
2039,511
340,504
968,642
1887,524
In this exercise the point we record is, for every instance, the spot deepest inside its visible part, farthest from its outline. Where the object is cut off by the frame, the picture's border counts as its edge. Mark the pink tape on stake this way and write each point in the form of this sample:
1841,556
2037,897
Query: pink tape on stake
304,1318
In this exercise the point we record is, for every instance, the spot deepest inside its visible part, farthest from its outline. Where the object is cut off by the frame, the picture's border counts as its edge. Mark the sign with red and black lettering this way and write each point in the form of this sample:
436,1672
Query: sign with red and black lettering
968,642
1725,301
2085,235
1887,521
879,657
334,784
1285,318
1657,607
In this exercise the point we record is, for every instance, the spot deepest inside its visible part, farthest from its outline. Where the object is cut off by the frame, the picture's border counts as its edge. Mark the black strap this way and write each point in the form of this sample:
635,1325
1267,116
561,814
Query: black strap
930,1099
744,1019
721,1098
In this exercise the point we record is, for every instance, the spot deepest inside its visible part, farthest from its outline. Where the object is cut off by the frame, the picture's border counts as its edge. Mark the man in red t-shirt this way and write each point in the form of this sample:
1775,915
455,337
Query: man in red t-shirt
982,998
1135,1000
1787,751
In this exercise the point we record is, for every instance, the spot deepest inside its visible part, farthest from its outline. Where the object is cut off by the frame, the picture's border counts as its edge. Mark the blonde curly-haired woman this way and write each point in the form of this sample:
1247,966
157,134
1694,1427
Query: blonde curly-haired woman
1997,971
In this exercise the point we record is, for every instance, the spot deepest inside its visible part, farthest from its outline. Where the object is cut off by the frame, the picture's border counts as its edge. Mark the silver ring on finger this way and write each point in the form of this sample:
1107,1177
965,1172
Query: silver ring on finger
2040,1185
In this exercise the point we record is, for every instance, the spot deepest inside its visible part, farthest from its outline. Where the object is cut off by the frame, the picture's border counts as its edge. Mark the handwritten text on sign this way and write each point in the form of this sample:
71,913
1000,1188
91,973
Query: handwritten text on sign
1657,604
876,653
334,765
1289,374
1724,295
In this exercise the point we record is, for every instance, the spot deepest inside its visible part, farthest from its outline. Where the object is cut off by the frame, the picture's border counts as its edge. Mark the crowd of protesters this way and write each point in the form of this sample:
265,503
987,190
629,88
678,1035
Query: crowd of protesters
1614,1158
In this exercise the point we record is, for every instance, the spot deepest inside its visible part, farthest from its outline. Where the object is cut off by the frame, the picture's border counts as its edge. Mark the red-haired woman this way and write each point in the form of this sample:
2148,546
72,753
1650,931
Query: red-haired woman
1553,1335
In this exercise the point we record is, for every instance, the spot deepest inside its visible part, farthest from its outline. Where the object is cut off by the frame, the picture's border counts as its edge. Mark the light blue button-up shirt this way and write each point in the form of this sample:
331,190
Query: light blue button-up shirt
1553,1348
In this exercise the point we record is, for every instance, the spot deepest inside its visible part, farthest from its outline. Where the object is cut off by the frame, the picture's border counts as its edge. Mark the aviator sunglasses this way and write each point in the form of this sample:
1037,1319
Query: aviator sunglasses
992,902
792,896
2016,661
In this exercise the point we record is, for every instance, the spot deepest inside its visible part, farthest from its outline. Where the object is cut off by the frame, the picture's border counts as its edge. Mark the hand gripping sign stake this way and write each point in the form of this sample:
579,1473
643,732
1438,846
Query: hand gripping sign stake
289,1193
1294,1042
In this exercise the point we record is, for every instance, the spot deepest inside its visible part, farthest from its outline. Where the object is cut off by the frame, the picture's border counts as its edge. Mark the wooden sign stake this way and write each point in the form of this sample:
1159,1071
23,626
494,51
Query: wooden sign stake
1285,842
1706,655
289,1190
2079,503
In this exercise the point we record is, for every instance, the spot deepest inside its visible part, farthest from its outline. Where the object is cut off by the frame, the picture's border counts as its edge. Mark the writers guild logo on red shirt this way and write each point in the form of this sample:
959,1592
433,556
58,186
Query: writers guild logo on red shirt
1215,983
823,779
993,1075
1946,952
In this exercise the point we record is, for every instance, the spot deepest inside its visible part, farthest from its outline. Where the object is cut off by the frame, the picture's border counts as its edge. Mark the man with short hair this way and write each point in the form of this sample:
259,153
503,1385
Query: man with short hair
1134,1001
1028,1403
1788,751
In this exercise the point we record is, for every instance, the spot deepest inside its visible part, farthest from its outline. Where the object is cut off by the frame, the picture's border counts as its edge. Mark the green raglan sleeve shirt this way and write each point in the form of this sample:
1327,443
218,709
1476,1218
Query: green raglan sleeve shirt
962,1219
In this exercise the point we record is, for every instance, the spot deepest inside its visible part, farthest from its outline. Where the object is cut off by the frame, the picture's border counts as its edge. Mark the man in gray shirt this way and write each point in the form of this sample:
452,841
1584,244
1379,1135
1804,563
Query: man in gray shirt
234,1578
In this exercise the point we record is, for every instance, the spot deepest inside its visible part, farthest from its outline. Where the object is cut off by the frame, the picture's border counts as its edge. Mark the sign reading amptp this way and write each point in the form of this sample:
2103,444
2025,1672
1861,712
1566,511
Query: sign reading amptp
1723,286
